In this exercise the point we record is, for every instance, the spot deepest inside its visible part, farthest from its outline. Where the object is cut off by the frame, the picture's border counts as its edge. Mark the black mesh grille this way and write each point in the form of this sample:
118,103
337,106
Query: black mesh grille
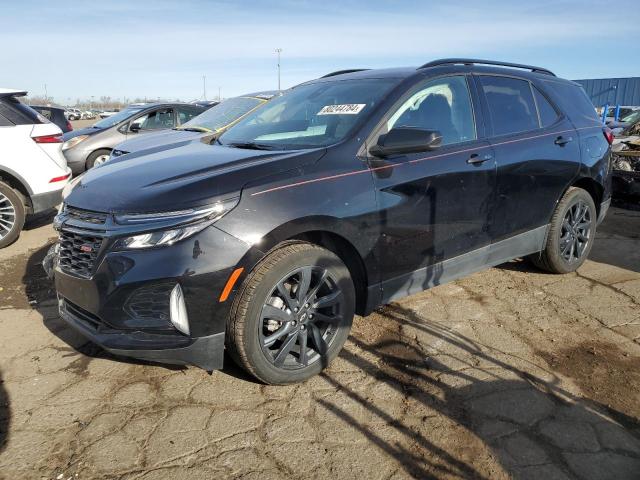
81,314
150,302
95,218
78,253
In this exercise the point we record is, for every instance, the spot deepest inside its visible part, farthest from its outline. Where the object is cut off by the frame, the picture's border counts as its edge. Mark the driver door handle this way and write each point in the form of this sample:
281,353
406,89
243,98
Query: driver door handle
476,159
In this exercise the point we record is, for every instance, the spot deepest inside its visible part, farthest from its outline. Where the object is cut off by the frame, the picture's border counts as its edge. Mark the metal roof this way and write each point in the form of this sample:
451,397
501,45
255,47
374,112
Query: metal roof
613,91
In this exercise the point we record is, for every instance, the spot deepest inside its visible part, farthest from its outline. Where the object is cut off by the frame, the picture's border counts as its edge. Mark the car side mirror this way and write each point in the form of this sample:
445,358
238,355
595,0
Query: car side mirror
402,140
134,127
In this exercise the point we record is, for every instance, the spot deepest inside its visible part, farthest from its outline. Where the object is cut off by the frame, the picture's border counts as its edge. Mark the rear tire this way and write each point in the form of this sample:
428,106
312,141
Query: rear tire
12,215
97,157
292,314
571,233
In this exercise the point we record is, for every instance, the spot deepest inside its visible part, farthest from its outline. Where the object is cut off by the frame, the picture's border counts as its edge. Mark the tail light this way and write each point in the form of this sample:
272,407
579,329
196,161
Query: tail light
48,139
69,127
608,134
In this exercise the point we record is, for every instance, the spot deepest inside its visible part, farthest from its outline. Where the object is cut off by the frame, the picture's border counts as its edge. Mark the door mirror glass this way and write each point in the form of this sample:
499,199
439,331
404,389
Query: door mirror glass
402,140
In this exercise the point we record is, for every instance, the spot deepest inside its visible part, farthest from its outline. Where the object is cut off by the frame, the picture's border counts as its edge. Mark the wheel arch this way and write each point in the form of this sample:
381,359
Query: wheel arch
593,188
349,255
326,232
16,182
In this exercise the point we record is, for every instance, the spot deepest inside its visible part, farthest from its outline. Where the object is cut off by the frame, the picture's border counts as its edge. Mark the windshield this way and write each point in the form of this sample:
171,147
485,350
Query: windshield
309,116
221,115
117,118
632,117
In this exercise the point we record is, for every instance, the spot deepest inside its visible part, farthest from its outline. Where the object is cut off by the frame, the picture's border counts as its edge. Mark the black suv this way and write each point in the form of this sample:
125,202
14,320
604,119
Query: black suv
346,193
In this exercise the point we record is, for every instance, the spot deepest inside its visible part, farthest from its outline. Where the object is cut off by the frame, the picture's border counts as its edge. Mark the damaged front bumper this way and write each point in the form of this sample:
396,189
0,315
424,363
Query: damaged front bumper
625,177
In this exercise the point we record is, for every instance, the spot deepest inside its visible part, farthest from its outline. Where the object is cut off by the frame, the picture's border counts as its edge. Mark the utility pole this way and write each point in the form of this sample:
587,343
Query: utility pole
46,97
204,87
219,94
278,51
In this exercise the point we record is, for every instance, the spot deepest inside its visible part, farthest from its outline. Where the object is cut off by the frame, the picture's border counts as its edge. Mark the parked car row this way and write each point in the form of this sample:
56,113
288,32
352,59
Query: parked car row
344,193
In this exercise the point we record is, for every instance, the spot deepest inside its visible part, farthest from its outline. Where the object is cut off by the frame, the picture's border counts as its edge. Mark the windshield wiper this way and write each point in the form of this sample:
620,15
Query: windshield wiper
250,146
194,129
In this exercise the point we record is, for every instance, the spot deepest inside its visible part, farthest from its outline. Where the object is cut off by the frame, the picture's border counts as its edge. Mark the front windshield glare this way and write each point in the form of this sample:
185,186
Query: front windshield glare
116,118
221,115
310,116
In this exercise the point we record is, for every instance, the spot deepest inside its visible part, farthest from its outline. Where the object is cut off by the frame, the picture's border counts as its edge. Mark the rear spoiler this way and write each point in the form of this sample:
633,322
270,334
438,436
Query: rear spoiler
16,93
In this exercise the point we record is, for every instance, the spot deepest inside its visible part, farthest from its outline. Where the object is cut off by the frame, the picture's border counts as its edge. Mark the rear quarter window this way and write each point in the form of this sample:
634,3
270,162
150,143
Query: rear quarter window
575,102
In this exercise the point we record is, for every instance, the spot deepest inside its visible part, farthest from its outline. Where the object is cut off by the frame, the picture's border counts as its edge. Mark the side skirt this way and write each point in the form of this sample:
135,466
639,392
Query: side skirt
448,270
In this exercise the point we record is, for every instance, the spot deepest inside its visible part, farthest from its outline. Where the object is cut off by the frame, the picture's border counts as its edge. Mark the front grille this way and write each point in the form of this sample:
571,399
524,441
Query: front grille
78,253
87,216
82,315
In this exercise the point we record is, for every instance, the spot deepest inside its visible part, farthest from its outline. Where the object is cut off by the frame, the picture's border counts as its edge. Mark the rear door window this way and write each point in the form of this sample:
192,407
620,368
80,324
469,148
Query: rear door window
511,105
546,112
156,120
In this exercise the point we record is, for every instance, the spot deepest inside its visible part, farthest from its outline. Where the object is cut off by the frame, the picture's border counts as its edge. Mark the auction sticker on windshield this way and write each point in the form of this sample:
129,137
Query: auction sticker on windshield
345,109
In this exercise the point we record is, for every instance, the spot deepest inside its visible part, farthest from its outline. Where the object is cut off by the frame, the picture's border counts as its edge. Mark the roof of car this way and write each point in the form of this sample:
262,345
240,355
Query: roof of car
445,66
142,106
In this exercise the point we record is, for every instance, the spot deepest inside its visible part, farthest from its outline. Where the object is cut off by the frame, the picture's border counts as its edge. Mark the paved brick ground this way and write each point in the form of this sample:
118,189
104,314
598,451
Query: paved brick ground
510,373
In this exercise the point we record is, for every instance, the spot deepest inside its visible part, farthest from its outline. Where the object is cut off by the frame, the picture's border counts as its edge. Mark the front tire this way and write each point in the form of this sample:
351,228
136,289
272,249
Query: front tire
12,215
292,314
571,233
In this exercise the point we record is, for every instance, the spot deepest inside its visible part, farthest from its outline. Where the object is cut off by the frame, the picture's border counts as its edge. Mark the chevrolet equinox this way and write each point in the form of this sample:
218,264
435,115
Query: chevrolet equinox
348,192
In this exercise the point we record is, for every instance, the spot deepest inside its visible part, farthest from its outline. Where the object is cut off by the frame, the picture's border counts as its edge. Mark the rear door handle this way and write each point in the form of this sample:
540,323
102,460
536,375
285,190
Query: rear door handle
476,159
563,140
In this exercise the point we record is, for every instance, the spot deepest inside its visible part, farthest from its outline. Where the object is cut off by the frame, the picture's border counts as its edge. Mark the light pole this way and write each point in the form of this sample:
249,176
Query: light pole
219,94
278,51
204,87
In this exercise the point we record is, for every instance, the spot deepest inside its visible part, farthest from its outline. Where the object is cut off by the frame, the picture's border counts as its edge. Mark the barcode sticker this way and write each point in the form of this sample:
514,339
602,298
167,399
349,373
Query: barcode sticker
345,109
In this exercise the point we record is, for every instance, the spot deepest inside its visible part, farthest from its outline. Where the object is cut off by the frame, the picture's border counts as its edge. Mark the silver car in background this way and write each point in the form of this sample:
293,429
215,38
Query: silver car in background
91,146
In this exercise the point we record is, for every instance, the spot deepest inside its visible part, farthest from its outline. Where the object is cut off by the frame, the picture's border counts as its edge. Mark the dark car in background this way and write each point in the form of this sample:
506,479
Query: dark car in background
346,193
91,146
207,125
55,115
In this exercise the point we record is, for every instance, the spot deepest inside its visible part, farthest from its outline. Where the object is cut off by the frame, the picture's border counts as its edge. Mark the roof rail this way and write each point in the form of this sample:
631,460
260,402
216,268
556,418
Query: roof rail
475,61
340,72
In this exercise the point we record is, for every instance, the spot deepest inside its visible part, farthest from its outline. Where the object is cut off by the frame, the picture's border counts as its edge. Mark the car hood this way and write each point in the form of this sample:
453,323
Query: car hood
192,175
159,140
82,131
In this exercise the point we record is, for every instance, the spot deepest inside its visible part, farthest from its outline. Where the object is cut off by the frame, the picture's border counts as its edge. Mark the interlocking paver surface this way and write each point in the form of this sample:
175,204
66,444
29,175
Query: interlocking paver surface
509,373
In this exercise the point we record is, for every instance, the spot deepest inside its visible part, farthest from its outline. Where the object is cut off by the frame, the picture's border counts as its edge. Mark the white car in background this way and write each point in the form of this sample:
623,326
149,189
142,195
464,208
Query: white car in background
33,170
73,114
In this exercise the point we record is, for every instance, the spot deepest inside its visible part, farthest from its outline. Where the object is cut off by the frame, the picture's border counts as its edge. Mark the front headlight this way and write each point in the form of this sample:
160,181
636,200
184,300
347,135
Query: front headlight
198,218
72,142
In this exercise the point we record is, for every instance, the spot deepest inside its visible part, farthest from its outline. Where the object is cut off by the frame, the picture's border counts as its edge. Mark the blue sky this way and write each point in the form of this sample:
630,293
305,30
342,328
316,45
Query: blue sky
163,48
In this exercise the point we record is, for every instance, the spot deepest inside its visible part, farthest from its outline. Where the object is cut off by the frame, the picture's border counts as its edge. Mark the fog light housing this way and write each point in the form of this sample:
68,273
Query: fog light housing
178,310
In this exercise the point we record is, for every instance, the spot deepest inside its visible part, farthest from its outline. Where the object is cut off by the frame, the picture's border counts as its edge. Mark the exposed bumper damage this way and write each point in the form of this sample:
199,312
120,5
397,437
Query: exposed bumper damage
625,176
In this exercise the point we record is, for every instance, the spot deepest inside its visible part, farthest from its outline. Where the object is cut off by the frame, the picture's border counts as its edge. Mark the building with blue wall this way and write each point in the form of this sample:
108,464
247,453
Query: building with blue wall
613,91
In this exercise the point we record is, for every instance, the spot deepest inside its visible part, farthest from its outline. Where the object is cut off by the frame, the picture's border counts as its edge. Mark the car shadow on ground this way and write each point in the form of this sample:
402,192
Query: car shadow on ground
5,415
535,428
40,219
